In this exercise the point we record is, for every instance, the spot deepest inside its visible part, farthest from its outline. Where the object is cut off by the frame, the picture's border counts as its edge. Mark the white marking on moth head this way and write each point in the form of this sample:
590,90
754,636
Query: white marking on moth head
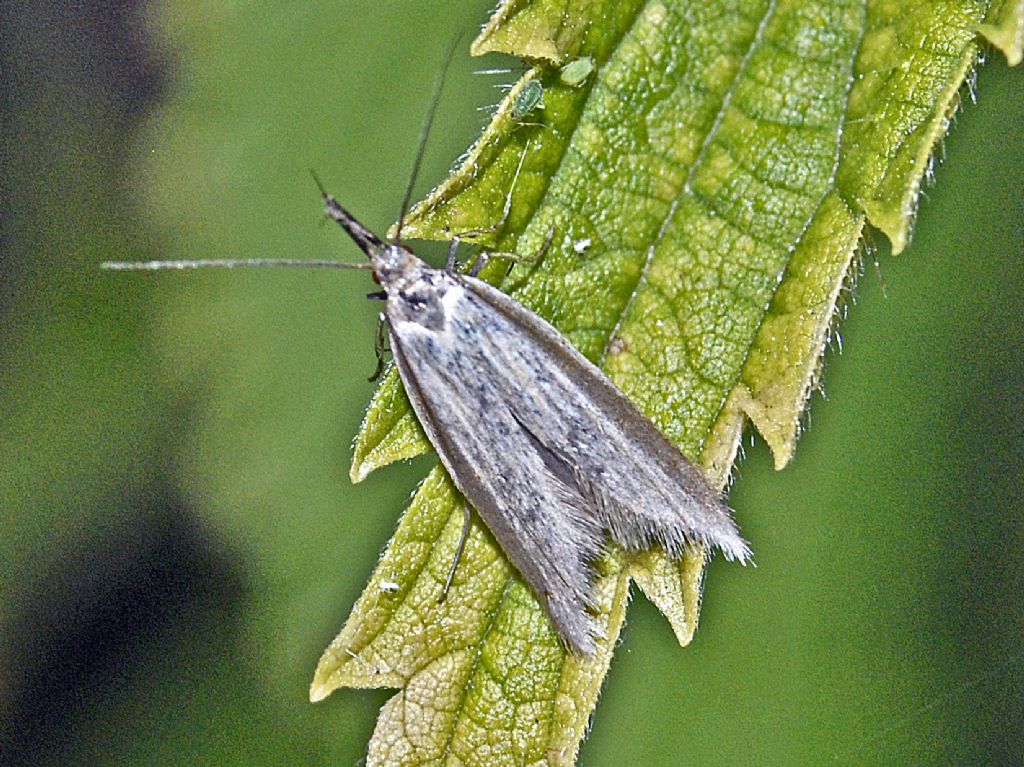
427,307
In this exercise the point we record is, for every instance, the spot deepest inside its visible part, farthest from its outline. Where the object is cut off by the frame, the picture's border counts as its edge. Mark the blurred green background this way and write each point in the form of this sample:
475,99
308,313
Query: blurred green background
180,538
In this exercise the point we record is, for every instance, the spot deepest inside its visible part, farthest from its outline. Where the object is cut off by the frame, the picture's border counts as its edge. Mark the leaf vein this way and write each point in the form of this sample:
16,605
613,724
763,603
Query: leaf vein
652,248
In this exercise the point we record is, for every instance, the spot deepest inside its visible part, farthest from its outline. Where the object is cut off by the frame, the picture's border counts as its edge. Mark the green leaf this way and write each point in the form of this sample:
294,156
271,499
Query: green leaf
706,189
537,29
482,666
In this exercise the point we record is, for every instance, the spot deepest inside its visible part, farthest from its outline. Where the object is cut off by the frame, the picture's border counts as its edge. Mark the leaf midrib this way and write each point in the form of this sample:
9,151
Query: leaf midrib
685,189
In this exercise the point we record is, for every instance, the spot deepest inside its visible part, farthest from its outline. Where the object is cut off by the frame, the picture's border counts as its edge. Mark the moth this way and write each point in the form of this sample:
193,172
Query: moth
551,455
538,440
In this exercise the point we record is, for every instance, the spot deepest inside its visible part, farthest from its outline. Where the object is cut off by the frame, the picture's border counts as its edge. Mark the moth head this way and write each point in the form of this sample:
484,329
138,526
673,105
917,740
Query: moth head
398,269
395,267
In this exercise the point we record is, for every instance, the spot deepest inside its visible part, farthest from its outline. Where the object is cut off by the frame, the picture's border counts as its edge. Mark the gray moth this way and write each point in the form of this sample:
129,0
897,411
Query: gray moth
550,454
553,457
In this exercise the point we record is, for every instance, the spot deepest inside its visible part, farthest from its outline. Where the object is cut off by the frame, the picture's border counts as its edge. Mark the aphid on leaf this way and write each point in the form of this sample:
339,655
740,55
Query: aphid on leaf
576,71
529,98
549,452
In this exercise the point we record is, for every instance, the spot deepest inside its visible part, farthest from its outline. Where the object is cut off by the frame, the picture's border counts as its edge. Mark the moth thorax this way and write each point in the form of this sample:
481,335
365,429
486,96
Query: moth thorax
423,300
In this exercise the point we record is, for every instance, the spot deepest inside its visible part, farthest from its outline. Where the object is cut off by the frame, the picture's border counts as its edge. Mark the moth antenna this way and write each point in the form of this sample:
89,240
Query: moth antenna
458,551
515,180
319,184
428,121
225,263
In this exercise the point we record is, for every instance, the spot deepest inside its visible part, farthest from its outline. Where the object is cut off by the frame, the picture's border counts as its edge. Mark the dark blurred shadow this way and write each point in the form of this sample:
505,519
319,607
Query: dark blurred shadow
77,79
66,68
87,629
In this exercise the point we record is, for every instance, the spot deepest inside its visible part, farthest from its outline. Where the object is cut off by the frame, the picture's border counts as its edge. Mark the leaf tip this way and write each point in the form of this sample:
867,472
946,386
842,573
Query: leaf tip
325,678
674,587
538,31
778,432
894,224
319,690
360,469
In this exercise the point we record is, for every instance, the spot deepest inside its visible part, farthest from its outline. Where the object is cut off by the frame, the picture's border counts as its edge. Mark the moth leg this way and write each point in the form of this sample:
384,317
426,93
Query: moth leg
379,347
505,211
480,263
449,261
484,255
458,552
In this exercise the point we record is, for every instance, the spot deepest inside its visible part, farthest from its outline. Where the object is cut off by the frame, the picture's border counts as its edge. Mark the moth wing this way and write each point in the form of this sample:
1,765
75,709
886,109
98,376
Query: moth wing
461,394
546,449
641,486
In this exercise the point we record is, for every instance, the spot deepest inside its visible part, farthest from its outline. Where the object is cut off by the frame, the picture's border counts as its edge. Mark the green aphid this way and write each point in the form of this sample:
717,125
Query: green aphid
576,71
528,99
